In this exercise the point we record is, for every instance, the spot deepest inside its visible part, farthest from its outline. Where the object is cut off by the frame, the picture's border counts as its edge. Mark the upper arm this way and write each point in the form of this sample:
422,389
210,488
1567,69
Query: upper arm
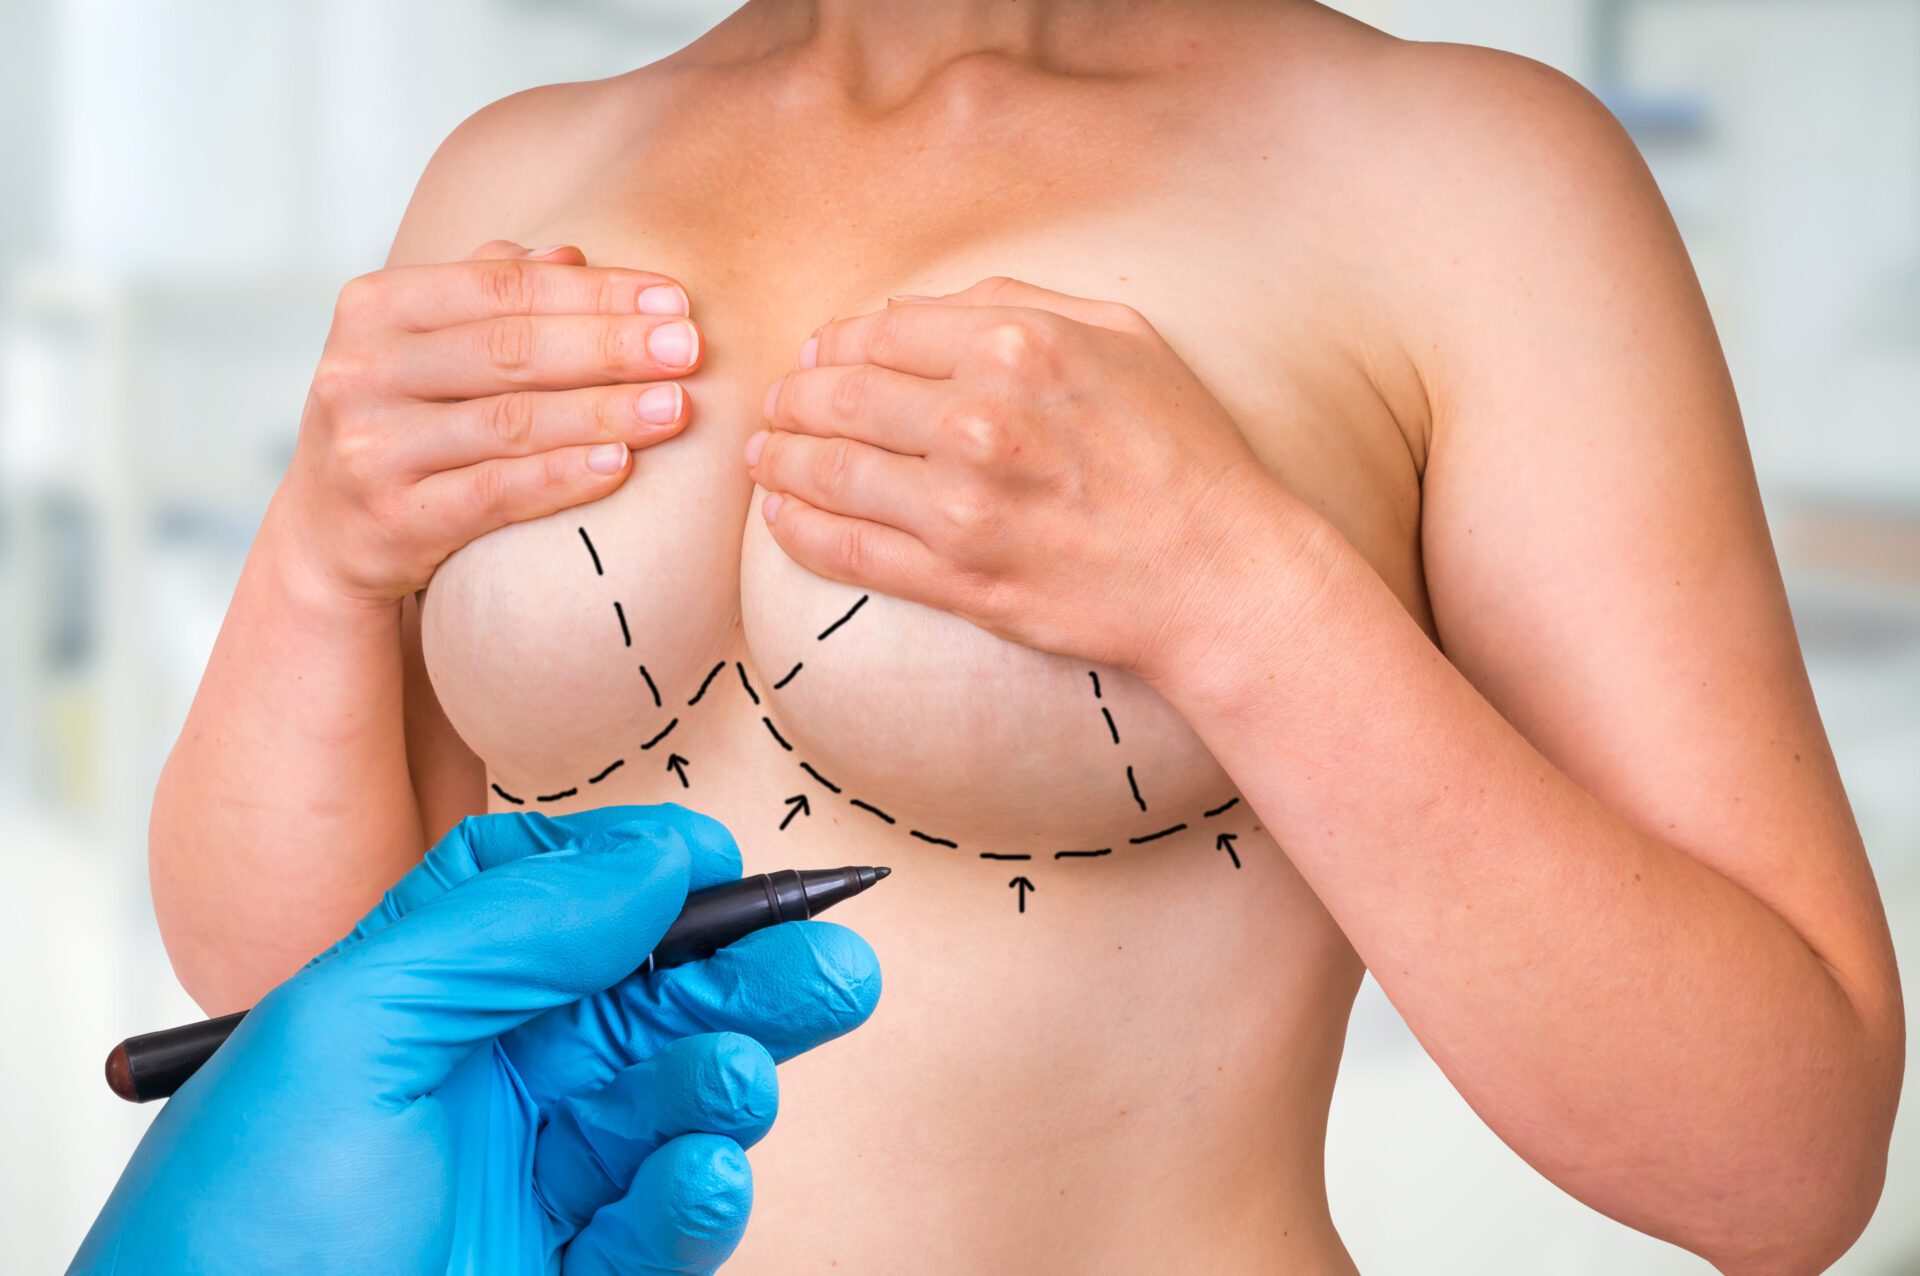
1598,560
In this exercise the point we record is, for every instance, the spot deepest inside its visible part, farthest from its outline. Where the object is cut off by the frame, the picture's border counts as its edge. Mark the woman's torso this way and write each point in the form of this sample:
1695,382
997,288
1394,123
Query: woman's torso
1125,1064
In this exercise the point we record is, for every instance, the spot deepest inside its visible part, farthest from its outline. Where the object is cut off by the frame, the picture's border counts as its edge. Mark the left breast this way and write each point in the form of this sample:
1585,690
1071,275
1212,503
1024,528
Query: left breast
926,720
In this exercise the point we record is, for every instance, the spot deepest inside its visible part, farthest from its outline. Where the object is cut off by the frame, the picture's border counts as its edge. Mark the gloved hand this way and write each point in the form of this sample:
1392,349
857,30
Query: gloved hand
474,1080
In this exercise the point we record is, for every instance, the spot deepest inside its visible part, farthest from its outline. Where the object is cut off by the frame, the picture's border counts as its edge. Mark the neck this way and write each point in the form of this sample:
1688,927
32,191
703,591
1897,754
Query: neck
883,51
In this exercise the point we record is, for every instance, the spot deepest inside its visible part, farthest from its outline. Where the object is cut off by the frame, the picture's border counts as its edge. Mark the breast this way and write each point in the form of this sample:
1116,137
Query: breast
923,719
565,645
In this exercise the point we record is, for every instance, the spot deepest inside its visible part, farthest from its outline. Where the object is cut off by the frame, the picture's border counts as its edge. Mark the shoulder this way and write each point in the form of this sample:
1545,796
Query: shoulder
512,165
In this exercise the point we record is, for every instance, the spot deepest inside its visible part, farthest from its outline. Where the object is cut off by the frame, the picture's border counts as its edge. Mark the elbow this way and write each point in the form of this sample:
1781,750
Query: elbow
1822,1179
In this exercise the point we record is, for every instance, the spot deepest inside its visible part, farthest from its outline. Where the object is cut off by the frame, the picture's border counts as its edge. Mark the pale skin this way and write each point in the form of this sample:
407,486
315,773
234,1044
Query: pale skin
1430,516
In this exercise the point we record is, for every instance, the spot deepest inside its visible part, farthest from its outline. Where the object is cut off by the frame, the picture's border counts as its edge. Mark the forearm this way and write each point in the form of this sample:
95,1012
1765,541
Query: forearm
285,807
1652,1036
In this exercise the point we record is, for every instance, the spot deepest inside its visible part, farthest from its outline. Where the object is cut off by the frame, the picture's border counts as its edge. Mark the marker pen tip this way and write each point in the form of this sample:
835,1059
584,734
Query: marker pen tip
879,872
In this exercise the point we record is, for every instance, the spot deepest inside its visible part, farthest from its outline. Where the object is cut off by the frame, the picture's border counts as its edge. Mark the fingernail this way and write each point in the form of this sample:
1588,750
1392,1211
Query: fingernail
910,296
755,446
546,251
607,458
770,508
659,404
810,353
772,400
673,344
663,299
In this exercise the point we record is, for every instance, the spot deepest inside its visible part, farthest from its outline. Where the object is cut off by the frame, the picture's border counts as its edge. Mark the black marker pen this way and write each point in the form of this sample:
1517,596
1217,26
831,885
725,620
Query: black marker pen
155,1064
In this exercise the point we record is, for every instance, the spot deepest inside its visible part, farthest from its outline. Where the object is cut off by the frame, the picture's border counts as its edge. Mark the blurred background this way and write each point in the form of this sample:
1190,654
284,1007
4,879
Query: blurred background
187,183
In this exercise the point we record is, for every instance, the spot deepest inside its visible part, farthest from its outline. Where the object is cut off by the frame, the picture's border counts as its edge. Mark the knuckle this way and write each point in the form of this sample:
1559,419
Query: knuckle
487,494
359,298
832,462
508,286
980,437
336,380
509,421
509,344
854,549
1127,319
1018,347
852,391
618,346
884,338
968,512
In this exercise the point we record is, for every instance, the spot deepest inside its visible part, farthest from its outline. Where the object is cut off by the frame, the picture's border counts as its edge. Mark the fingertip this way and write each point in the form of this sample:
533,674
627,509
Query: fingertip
607,459
707,1182
850,971
770,508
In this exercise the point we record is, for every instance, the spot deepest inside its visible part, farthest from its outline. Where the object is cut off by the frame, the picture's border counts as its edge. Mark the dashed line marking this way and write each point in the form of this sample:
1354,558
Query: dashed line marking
608,770
874,809
1154,837
822,636
626,635
1095,675
664,732
1135,786
650,686
776,734
1223,808
751,693
808,768
928,837
597,570
706,682
995,855
789,678
555,797
507,796
1111,729
1082,855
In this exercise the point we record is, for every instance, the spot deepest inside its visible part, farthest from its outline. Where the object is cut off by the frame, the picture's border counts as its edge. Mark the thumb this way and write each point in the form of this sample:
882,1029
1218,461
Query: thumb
400,1009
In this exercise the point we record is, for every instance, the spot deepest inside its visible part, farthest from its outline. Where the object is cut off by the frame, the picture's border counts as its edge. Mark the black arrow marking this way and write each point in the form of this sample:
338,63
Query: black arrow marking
508,796
797,805
708,682
822,636
608,770
1023,886
664,731
591,550
678,765
1225,843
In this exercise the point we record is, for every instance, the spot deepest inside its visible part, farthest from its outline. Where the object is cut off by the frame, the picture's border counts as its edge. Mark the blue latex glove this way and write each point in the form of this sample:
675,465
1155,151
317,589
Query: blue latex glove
473,1080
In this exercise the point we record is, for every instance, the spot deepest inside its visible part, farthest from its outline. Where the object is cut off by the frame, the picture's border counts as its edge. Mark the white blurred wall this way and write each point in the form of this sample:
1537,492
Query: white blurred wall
184,183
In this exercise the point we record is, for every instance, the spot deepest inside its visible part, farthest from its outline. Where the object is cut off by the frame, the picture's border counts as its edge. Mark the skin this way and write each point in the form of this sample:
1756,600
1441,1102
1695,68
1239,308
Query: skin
1381,458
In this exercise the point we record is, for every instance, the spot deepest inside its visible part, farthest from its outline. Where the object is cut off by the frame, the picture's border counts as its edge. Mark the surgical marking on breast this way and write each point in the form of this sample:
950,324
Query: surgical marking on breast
706,682
797,804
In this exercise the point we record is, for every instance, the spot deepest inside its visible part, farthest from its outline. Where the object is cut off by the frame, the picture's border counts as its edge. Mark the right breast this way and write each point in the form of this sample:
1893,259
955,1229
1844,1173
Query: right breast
560,645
